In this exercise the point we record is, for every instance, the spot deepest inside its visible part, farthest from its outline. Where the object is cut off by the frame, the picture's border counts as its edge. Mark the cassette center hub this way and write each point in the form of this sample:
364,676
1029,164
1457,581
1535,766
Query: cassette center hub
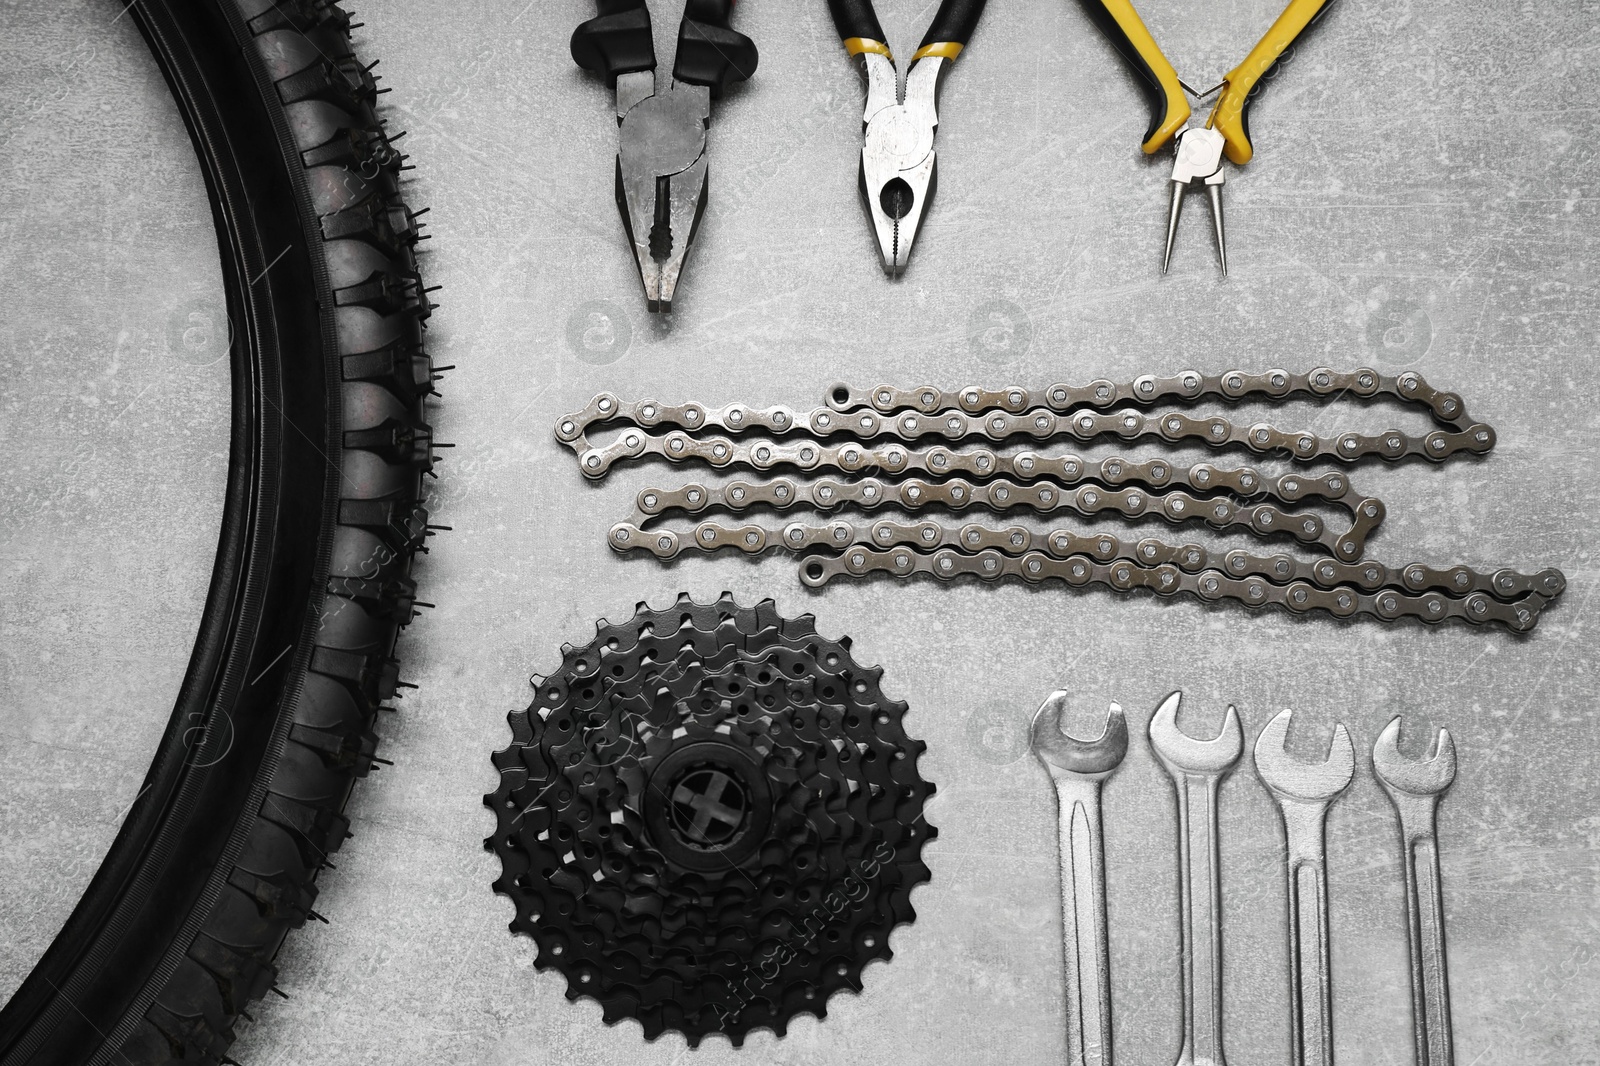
707,806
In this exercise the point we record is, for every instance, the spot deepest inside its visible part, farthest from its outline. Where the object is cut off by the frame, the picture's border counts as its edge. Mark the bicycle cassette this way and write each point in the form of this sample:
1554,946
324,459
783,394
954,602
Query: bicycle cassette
710,819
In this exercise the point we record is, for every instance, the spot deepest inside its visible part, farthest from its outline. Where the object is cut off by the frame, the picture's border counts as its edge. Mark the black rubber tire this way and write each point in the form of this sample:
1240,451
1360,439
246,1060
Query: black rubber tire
218,858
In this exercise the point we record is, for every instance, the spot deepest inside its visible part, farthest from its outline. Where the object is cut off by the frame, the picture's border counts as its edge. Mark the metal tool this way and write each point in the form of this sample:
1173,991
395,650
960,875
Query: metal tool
661,153
898,173
1304,792
1078,767
1414,787
1197,768
1226,131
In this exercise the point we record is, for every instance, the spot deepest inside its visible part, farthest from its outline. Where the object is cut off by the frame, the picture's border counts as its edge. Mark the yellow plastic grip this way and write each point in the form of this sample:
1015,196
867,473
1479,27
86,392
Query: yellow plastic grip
1227,117
856,45
942,49
1172,109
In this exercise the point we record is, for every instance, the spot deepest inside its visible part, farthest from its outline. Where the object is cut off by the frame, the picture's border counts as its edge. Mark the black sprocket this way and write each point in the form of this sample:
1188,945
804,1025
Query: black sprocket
710,819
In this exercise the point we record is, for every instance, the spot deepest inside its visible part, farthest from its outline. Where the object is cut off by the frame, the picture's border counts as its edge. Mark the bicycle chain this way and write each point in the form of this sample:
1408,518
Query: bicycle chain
1505,585
1059,411
1298,597
982,478
765,924
1090,497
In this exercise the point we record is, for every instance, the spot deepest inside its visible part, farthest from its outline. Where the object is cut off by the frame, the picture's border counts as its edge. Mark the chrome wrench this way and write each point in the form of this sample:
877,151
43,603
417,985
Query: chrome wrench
1078,767
1304,792
1197,768
1414,787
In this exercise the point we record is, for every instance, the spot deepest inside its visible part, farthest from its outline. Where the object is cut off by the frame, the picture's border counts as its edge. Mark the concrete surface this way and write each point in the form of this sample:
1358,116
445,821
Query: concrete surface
114,393
1423,195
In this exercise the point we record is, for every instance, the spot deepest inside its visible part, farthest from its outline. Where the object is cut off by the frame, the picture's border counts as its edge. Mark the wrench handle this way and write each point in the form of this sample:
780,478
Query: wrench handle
1084,941
1200,906
1310,987
1310,963
1430,986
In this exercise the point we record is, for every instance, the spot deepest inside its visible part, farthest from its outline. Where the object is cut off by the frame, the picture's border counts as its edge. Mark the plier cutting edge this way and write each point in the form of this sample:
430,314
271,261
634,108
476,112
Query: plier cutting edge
897,157
661,151
1199,149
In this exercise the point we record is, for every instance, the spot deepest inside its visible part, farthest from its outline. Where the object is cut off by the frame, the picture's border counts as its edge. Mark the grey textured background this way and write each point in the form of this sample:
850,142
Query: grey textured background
1423,195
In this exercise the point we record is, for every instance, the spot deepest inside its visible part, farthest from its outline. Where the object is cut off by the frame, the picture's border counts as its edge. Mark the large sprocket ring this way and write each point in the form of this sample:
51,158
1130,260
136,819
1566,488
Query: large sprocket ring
710,819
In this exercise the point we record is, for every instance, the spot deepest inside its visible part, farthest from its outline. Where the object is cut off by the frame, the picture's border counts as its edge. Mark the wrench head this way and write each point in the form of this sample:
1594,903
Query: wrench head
1087,757
1419,777
1181,753
1286,776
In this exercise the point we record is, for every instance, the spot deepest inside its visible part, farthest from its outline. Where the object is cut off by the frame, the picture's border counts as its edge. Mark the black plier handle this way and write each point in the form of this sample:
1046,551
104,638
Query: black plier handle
949,33
618,41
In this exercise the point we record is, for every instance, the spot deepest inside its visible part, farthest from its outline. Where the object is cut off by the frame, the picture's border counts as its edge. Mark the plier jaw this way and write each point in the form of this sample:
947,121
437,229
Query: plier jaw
898,163
1198,162
661,153
898,167
896,200
661,183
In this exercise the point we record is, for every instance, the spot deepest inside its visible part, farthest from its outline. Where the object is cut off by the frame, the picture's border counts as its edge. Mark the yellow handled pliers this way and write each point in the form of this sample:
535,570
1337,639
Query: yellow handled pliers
1199,149
898,174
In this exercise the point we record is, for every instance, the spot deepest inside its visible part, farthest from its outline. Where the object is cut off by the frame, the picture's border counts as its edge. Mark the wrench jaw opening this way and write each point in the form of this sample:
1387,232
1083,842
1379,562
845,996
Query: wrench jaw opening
1182,754
1417,777
1288,778
1062,754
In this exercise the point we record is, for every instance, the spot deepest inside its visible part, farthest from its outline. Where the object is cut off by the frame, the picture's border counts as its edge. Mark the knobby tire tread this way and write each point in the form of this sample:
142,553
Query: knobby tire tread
218,859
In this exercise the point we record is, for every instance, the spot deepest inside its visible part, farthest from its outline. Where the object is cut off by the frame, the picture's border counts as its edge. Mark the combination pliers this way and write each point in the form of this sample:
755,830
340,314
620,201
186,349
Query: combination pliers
897,158
1199,149
661,152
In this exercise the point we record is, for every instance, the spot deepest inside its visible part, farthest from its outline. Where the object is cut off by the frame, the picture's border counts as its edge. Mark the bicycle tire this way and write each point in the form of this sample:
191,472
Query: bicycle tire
217,860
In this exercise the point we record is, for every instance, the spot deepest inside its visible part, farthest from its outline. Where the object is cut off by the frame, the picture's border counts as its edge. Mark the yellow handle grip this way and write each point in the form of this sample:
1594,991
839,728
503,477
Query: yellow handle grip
857,45
1230,116
1169,105
943,49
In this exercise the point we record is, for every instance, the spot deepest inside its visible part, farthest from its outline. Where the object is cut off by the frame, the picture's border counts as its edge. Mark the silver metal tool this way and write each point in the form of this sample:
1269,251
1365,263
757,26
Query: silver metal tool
897,156
898,161
661,150
1414,787
661,178
1078,767
1197,768
1199,161
1304,792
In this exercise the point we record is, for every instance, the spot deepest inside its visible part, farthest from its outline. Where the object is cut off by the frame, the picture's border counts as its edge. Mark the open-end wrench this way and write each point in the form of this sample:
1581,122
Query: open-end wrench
1197,768
1078,767
1304,792
1414,787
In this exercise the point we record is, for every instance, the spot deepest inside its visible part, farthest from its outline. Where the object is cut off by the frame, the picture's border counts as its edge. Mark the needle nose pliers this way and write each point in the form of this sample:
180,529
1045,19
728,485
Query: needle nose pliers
1226,132
661,153
897,157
